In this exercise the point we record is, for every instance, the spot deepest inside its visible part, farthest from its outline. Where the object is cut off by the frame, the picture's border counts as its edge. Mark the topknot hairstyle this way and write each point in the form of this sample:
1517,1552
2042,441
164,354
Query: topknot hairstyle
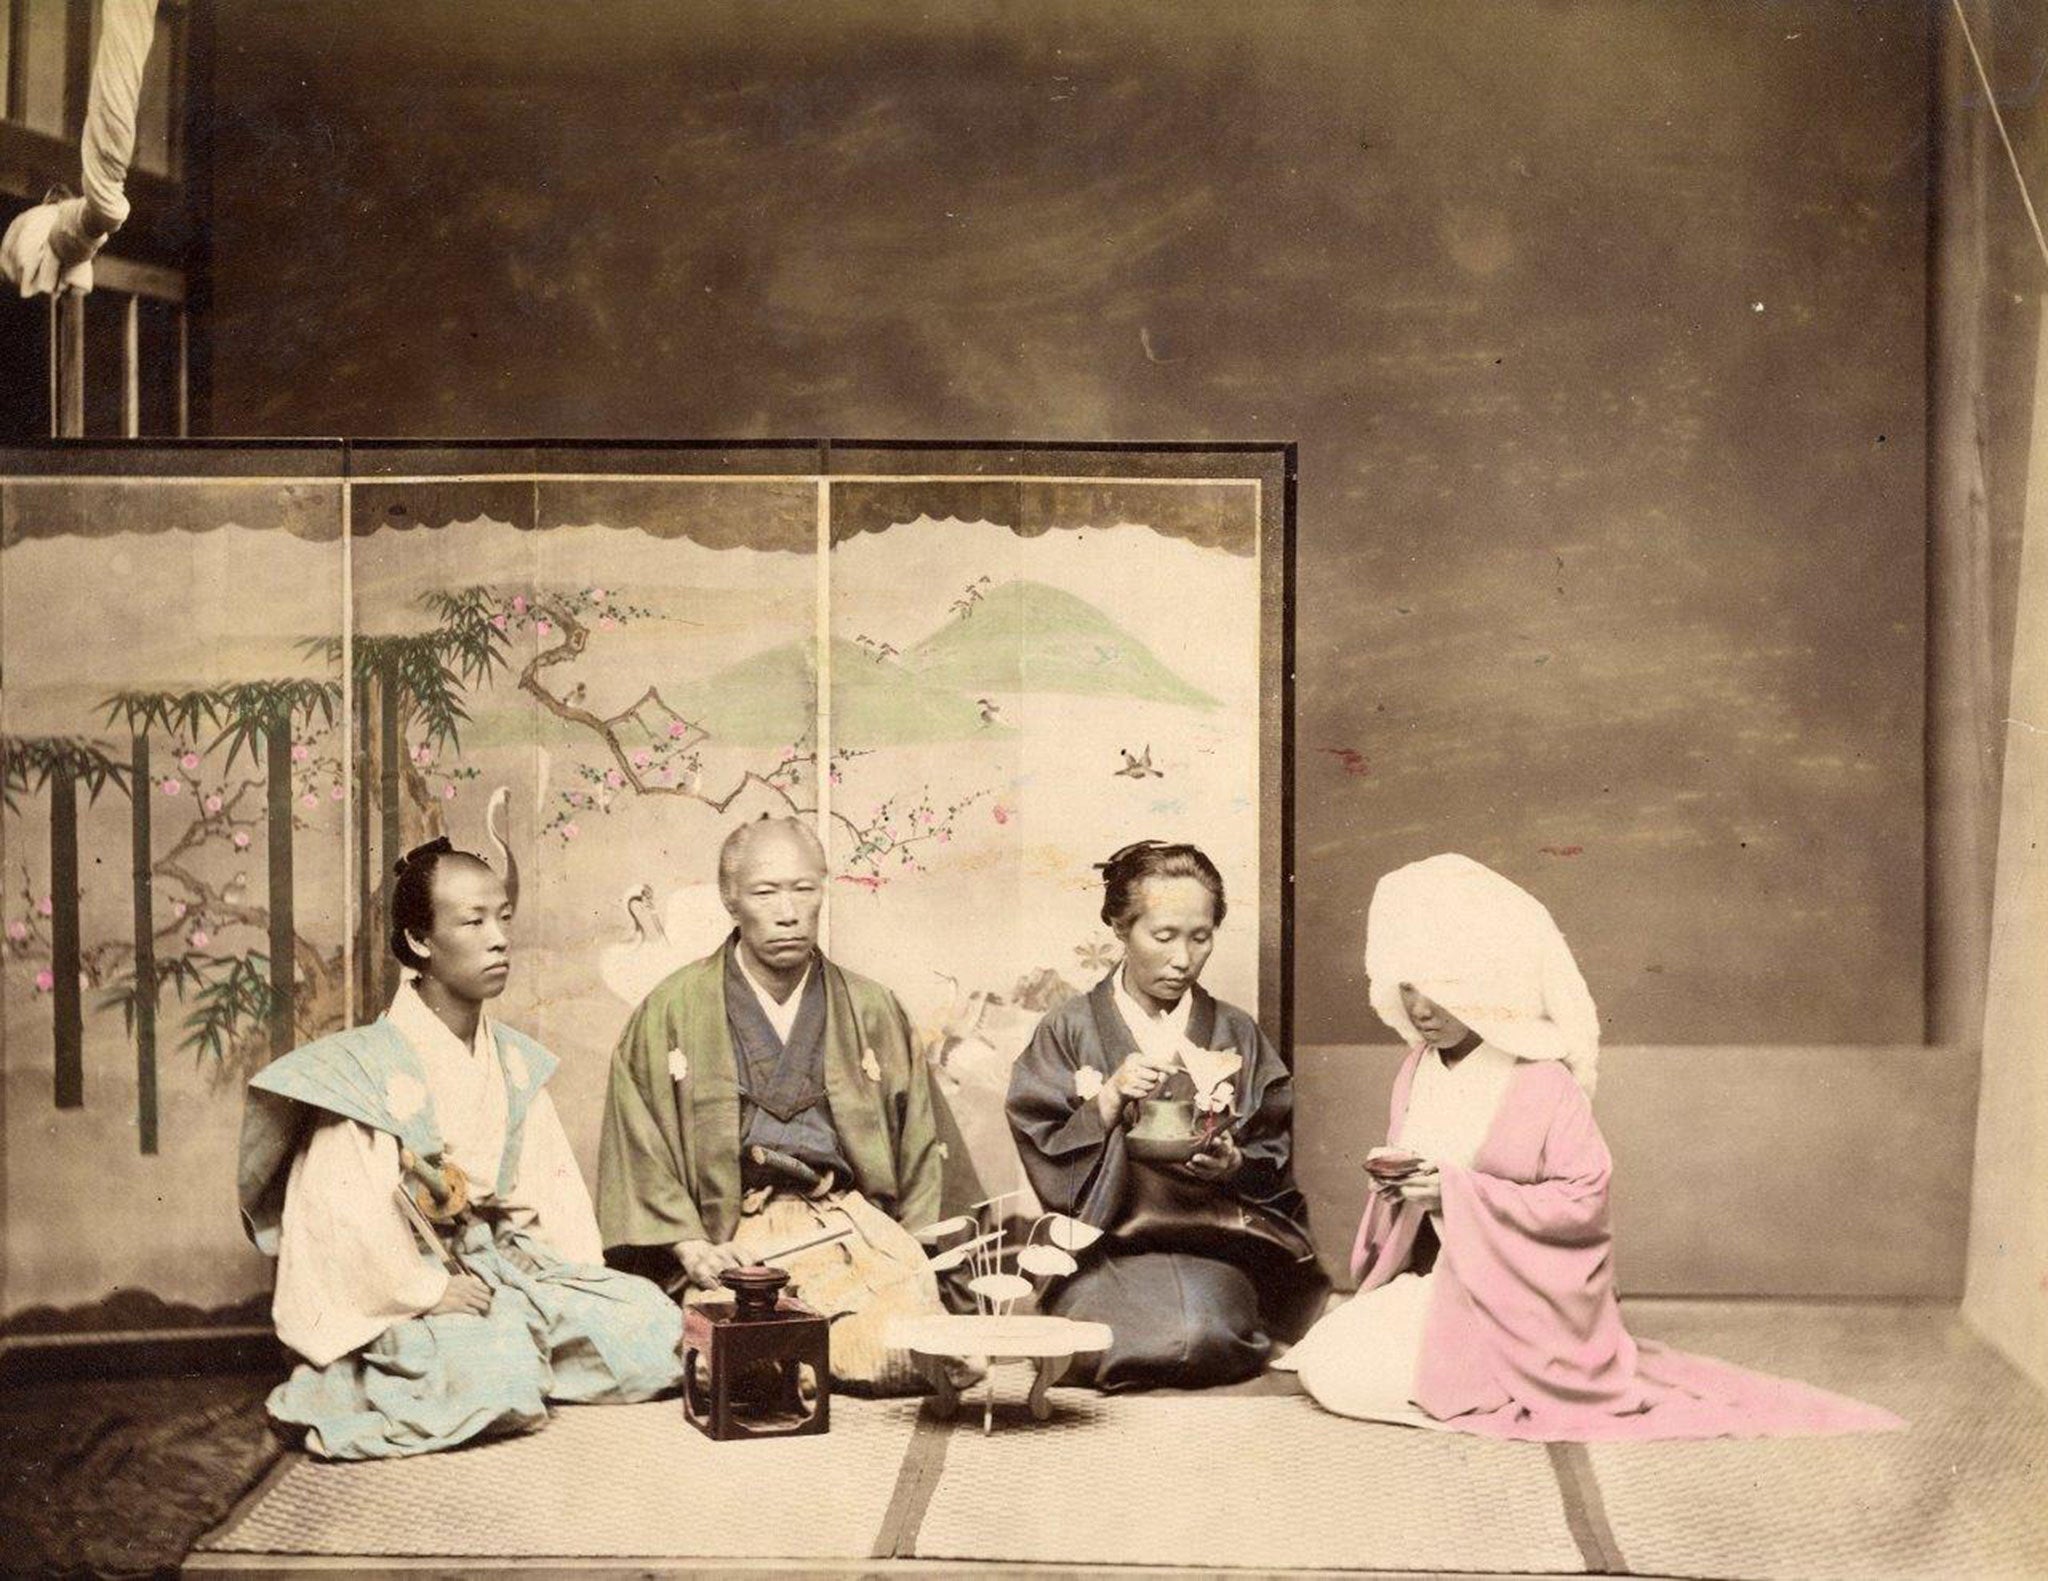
412,896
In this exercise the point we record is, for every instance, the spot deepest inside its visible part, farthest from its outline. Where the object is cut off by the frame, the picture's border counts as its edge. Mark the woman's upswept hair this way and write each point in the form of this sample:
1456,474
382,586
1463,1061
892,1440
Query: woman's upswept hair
1125,872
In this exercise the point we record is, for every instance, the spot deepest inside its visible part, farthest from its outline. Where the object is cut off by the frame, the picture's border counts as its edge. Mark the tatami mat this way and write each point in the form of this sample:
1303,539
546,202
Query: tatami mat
599,1481
1962,1493
1244,1483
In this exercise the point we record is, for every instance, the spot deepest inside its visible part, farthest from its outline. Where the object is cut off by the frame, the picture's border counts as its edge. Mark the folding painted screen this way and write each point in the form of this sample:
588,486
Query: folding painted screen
980,671
172,842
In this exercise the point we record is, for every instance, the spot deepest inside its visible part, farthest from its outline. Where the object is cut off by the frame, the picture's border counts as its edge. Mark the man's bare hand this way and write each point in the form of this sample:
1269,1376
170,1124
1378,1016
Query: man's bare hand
703,1261
465,1293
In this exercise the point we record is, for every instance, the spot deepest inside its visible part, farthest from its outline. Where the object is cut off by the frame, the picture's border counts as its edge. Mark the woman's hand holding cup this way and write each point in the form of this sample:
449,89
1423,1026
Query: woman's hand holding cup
1424,1185
1392,1170
1137,1077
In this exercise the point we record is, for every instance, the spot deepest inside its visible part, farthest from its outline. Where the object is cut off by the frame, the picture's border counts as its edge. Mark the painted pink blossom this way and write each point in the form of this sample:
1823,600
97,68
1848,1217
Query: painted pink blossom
17,930
309,800
241,839
337,792
213,804
677,730
545,628
199,938
573,798
447,793
518,603
498,621
423,755
835,776
606,623
597,595
45,906
45,980
614,778
189,762
1003,814
179,908
300,752
945,837
642,757
570,831
171,786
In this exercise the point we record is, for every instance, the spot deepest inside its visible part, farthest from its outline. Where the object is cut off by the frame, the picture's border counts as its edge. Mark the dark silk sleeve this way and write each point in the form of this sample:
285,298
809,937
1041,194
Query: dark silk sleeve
1265,1134
1074,1159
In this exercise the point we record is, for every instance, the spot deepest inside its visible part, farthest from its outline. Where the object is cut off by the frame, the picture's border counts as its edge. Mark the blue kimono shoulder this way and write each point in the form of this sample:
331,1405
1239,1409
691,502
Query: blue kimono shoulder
369,1074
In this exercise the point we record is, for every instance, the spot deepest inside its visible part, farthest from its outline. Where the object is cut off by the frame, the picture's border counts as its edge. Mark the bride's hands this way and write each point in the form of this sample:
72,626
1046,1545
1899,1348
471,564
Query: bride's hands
1424,1184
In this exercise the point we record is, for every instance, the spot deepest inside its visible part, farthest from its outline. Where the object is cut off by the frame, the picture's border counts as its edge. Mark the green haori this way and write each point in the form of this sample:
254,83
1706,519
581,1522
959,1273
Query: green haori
669,1165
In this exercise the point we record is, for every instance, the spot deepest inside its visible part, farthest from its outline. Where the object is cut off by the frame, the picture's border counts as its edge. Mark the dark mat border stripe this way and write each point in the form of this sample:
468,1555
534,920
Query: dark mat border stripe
1585,1512
917,1479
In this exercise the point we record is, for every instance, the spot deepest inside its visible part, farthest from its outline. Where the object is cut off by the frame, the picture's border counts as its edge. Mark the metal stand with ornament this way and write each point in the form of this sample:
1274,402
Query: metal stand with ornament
995,1331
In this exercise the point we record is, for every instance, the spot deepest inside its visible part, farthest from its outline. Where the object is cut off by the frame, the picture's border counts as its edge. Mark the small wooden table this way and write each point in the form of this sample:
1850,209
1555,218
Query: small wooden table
1048,1341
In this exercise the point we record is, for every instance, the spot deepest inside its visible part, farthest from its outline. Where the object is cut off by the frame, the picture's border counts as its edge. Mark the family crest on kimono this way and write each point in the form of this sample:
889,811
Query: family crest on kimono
1205,1263
1487,1299
439,1266
764,1097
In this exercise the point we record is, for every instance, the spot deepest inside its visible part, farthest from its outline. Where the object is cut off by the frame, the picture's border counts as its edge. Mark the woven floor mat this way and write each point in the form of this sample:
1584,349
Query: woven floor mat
1960,1493
1242,1483
599,1482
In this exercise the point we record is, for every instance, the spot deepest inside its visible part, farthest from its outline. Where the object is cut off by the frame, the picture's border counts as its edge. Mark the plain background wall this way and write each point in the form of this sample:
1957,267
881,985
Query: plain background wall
1600,327
2007,1291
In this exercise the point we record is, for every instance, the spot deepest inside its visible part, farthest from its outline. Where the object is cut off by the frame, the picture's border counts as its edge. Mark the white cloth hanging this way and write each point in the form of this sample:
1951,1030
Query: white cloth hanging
50,247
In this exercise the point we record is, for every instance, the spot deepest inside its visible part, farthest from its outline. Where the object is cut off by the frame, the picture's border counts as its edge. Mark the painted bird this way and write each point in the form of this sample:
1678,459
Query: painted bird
991,714
1139,768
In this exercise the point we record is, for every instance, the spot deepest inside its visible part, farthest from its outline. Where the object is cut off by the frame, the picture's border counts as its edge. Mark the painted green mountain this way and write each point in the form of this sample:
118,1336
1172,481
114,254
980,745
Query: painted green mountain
1028,637
765,701
1021,637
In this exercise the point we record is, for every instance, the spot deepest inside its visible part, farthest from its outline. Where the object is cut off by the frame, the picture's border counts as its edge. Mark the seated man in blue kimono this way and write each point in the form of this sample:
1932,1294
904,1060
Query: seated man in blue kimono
439,1266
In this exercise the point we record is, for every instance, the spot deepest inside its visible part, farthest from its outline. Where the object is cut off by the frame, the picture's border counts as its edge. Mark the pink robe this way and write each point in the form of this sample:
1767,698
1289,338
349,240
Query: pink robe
1524,1337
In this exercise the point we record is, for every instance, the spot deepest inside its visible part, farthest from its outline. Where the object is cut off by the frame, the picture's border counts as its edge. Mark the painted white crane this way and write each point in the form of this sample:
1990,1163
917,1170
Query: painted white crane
660,940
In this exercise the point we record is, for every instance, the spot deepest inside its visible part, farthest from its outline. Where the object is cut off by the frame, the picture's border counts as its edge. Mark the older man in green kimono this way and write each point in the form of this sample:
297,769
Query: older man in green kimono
762,1098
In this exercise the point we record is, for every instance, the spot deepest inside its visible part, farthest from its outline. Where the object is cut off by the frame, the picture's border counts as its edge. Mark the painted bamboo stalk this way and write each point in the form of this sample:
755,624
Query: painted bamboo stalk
69,1077
145,946
278,747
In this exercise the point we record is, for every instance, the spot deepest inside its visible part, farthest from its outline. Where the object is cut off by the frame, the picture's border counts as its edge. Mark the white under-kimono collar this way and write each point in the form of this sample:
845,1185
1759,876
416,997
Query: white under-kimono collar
1451,1109
781,1013
428,1033
1155,1034
466,1082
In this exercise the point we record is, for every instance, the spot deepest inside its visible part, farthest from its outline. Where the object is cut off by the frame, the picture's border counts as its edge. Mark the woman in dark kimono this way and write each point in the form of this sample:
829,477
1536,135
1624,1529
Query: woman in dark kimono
1204,1263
